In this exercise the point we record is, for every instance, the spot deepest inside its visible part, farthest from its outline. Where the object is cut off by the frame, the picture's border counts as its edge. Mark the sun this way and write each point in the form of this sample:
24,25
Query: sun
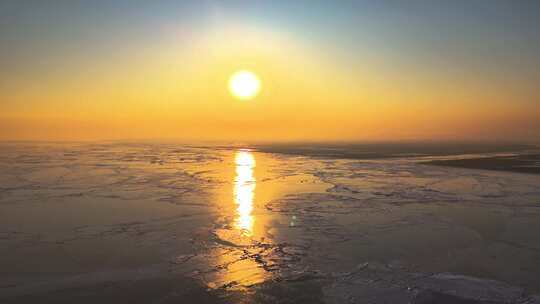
244,85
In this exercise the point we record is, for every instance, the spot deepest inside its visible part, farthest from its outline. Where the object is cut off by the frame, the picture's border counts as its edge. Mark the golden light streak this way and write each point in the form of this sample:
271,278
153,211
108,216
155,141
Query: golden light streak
244,191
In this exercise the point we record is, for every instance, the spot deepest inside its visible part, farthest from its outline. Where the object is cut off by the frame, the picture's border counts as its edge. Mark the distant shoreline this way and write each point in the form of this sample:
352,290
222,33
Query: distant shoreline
393,150
525,163
524,158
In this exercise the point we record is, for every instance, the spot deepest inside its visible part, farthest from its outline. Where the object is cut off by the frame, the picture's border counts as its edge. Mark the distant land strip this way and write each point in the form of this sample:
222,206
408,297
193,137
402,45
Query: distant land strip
524,163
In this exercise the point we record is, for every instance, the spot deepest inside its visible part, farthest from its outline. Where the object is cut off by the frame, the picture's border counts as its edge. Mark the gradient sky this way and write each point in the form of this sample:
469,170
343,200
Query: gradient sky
331,70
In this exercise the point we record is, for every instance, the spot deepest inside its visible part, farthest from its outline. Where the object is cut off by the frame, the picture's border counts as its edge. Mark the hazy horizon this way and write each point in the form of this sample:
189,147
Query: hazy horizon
323,143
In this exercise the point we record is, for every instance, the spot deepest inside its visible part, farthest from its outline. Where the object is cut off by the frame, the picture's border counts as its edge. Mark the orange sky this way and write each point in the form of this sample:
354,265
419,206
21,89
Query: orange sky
176,90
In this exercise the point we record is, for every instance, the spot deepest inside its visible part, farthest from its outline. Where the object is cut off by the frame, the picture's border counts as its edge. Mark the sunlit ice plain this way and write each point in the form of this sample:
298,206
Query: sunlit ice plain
269,152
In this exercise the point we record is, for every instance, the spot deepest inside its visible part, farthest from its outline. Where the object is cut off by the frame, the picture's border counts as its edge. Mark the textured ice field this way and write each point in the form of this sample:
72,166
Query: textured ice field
244,225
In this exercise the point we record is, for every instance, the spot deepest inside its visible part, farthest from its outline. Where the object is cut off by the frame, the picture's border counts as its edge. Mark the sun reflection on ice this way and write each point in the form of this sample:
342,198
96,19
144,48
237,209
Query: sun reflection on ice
244,191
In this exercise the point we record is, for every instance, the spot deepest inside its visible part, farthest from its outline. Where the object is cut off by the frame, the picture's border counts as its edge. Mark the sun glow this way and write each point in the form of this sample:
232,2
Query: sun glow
244,85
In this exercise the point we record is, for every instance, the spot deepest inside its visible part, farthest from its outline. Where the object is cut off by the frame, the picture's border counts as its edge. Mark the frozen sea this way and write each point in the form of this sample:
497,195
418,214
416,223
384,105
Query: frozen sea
171,223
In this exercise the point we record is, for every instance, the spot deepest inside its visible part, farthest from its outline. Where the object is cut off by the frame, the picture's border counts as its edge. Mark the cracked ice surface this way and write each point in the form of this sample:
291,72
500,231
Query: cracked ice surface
262,224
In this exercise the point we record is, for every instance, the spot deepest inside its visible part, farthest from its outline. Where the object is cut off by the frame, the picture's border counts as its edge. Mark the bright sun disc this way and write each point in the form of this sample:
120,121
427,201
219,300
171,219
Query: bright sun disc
244,84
